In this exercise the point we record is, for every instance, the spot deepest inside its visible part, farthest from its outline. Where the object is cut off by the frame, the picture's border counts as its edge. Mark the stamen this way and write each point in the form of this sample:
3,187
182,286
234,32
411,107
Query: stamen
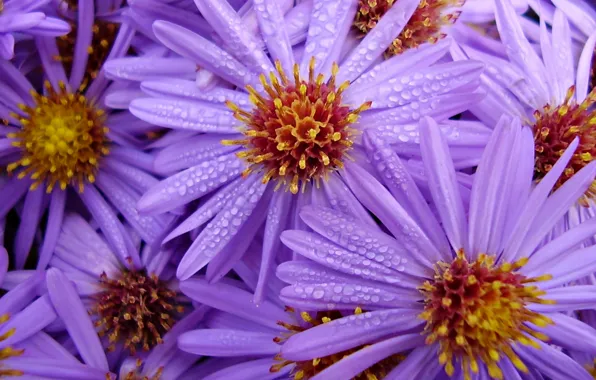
554,130
297,132
476,311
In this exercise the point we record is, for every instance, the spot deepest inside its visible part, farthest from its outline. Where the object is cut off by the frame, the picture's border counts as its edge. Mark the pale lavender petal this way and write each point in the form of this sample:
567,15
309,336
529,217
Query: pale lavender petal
419,58
277,221
20,22
204,53
53,69
584,68
556,248
32,211
520,51
377,40
442,183
414,87
583,20
340,198
556,206
144,68
382,204
183,114
348,332
235,301
22,294
571,333
563,59
51,369
330,22
192,151
273,29
403,188
55,215
576,297
572,266
207,210
240,240
534,204
32,319
221,229
148,227
414,363
218,342
113,231
186,89
69,307
228,25
353,364
551,362
190,184
11,192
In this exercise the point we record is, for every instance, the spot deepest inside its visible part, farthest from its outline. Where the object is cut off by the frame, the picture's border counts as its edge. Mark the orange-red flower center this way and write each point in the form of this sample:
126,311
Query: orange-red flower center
554,130
475,311
298,130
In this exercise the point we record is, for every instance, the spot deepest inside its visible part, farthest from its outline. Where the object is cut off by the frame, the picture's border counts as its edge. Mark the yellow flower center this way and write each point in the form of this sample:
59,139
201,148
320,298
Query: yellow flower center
62,139
556,128
424,25
136,308
305,370
477,310
299,130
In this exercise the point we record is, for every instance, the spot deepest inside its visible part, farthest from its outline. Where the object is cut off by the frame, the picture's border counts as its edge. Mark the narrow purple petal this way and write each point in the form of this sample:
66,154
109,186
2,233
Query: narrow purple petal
85,16
377,40
32,319
235,301
442,183
32,211
218,342
348,332
49,368
190,184
55,216
414,363
71,310
255,369
352,365
203,52
551,362
273,29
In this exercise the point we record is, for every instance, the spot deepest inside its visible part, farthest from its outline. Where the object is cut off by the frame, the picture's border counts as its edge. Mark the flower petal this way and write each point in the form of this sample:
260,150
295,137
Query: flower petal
348,332
70,308
551,362
219,342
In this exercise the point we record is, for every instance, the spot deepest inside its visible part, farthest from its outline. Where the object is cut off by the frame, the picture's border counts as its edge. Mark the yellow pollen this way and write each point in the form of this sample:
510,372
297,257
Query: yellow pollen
298,130
62,139
476,311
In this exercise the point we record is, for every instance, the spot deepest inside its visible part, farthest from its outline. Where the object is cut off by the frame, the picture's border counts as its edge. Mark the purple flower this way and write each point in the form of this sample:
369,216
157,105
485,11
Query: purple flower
63,137
132,307
294,130
23,17
485,302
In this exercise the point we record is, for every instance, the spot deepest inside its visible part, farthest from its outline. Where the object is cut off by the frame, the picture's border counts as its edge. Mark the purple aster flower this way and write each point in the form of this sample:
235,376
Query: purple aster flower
24,17
548,93
295,127
247,338
486,303
63,137
105,301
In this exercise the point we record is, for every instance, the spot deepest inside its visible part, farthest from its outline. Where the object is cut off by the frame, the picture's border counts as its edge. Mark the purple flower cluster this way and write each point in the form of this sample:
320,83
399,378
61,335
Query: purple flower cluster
298,189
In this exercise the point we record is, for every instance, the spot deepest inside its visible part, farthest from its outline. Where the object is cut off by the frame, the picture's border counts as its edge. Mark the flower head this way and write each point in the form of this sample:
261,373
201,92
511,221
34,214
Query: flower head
485,301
